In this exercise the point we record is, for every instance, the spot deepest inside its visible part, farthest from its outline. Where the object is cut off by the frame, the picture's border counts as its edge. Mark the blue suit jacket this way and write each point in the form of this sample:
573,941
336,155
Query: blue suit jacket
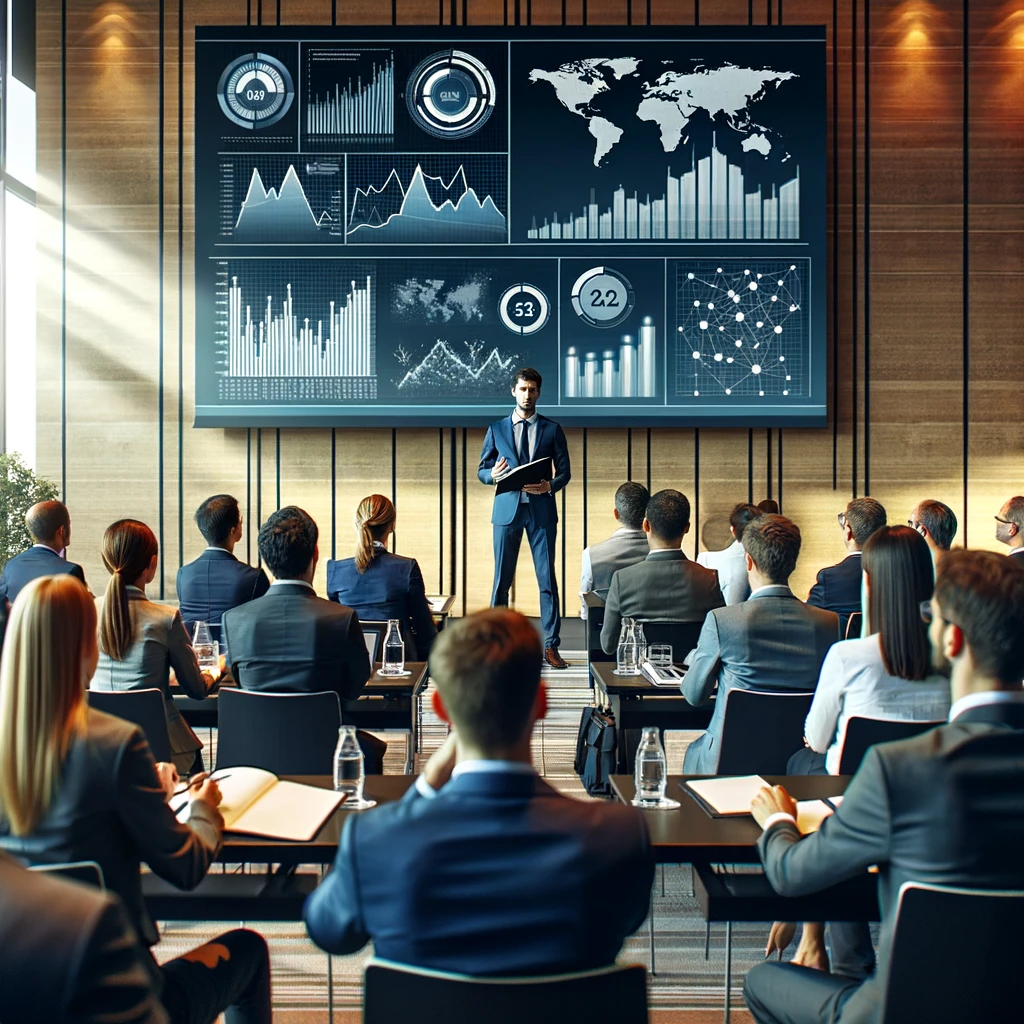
214,583
550,443
838,588
391,588
497,875
32,564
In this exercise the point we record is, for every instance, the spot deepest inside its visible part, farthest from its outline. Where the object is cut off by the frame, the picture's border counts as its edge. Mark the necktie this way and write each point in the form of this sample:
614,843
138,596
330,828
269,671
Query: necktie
524,444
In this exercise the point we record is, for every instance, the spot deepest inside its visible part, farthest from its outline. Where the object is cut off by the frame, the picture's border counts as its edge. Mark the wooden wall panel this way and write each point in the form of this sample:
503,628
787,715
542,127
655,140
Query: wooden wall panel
898,426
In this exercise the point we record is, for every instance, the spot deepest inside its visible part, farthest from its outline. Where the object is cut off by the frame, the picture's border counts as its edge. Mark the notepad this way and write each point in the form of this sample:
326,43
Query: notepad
530,473
257,803
437,603
811,813
728,796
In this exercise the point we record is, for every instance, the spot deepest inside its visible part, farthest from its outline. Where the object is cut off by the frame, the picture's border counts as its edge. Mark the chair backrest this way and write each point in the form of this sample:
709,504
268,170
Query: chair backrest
854,624
862,733
983,985
283,733
373,634
394,992
88,872
143,707
683,636
761,731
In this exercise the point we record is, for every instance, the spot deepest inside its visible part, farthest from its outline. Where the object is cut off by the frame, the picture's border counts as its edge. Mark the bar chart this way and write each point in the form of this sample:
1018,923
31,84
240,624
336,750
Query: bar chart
712,200
630,371
361,99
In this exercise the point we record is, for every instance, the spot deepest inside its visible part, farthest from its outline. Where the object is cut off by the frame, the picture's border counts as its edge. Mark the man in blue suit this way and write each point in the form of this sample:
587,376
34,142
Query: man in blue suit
216,581
482,868
524,437
49,525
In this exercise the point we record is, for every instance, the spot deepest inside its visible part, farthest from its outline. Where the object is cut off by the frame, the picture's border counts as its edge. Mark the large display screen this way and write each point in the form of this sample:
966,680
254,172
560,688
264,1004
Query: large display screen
390,222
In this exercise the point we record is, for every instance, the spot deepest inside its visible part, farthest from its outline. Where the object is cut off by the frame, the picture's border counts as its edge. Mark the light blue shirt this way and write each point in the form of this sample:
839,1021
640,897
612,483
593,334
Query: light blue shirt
425,789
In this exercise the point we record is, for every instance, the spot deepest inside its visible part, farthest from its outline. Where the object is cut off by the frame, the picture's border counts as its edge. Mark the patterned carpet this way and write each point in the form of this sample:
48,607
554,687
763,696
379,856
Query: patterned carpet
685,986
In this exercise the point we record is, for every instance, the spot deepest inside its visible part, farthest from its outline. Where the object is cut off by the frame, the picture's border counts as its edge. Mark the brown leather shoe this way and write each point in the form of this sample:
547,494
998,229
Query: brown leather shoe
554,659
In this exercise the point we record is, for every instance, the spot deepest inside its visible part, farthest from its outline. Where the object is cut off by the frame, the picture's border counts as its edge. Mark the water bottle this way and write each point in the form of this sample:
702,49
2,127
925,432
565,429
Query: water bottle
625,653
641,644
207,649
394,651
348,766
651,769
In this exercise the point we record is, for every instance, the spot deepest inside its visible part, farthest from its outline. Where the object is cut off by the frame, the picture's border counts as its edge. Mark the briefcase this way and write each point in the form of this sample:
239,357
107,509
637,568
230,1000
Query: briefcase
595,750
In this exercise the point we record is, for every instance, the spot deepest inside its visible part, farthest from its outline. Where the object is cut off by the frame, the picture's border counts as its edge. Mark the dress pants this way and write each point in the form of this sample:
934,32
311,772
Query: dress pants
806,762
373,752
506,554
786,994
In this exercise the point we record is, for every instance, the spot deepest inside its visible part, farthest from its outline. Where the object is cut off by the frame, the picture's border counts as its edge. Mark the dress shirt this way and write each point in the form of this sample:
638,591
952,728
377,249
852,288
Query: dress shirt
587,571
977,700
731,565
299,583
480,765
48,548
531,440
854,682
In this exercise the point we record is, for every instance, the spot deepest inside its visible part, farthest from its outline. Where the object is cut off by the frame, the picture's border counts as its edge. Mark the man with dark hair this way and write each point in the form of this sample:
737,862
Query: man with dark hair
217,581
49,525
290,640
945,807
838,587
769,505
731,563
515,441
482,868
772,641
626,546
1010,526
666,585
935,522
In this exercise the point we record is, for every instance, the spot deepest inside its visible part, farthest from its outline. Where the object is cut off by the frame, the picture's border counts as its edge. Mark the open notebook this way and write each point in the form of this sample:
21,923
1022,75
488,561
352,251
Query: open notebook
258,803
731,796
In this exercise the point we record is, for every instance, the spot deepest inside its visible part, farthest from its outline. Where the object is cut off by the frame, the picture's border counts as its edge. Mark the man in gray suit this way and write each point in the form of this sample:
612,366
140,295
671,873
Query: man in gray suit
290,640
773,641
666,585
626,546
923,809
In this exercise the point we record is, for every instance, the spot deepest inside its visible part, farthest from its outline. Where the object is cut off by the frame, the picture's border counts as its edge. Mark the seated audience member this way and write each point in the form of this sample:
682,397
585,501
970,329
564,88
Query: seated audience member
142,641
923,809
885,675
290,640
378,584
217,580
70,954
482,868
769,506
935,522
76,784
731,563
626,546
49,525
1009,526
773,641
838,588
666,585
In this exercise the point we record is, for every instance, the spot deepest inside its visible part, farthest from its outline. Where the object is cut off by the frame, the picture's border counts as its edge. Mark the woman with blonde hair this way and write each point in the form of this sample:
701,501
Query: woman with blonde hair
77,784
142,641
381,585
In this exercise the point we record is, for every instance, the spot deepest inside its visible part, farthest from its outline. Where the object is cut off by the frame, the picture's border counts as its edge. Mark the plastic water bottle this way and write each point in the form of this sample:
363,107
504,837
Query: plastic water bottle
625,653
651,769
207,649
641,644
349,773
394,651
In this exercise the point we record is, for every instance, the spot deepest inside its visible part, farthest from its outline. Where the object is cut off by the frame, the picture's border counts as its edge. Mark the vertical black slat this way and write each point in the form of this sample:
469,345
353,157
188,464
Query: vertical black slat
768,3
334,492
259,485
768,450
966,267
750,12
856,278
779,19
440,509
649,437
584,486
867,247
394,480
780,461
629,454
696,12
63,250
279,10
160,302
259,12
454,14
465,523
696,491
452,510
248,495
516,15
277,466
750,466
248,12
334,10
181,283
465,12
835,245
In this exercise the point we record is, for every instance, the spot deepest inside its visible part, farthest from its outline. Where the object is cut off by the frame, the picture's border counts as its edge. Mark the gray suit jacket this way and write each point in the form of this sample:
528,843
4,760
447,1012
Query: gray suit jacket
665,586
159,643
945,807
772,641
623,548
291,641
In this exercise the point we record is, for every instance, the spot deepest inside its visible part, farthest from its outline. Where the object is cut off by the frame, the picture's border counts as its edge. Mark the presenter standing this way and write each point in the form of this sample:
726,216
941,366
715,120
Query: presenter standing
524,437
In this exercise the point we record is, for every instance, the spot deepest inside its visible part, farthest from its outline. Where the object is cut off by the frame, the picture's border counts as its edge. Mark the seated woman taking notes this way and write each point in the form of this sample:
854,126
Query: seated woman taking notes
140,641
381,585
77,784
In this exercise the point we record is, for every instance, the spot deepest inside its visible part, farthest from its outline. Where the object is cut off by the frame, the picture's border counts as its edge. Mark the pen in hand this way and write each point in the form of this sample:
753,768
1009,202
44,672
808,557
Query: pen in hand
198,781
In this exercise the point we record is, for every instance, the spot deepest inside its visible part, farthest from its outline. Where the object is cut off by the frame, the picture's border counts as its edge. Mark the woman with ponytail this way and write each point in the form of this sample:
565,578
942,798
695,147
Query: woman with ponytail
140,641
381,585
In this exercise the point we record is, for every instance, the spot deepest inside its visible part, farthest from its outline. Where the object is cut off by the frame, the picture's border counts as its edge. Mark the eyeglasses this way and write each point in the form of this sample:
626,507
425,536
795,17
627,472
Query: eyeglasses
1000,519
842,519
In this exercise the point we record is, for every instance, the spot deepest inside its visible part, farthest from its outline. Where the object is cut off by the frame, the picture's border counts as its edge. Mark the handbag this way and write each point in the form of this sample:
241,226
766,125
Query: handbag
595,750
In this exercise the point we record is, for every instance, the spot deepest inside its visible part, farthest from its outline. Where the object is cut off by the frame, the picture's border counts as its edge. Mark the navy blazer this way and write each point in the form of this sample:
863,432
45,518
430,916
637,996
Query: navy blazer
838,588
213,583
550,443
30,565
497,875
390,588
